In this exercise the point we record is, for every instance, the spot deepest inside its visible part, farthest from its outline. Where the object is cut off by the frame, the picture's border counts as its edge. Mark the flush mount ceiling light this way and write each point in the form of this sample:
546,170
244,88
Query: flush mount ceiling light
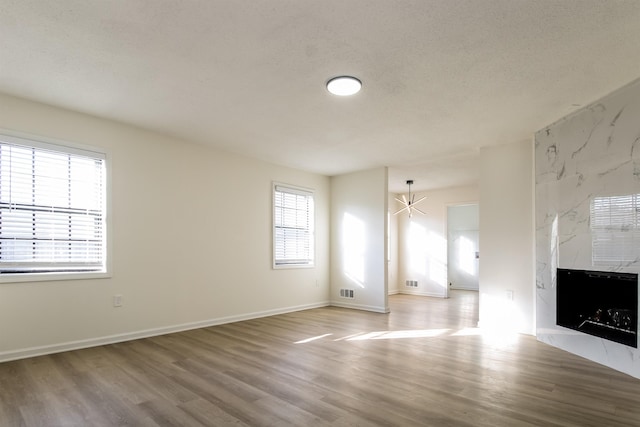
410,205
344,85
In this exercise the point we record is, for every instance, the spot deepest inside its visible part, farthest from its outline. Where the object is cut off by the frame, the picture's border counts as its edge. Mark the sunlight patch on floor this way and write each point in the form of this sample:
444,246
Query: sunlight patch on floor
319,337
498,338
386,335
466,332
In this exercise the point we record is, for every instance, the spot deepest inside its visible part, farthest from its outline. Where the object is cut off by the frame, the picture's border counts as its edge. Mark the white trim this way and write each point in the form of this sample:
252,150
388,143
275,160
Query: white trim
376,309
24,353
424,294
33,140
294,189
51,277
462,288
291,266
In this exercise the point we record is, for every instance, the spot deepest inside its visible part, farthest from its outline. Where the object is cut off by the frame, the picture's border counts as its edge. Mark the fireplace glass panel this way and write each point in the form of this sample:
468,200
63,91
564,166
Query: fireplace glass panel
599,303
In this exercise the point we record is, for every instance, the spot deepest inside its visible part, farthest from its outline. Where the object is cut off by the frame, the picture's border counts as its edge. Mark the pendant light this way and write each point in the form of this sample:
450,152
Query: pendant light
409,204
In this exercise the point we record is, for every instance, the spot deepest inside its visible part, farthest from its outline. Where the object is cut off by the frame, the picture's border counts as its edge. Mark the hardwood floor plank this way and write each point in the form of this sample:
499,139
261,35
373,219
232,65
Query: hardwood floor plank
299,393
165,414
209,414
37,413
10,415
423,364
153,374
216,377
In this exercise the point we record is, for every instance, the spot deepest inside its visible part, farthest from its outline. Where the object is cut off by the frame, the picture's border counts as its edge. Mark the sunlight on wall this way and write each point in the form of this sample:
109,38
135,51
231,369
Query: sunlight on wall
437,253
467,256
353,248
427,254
417,249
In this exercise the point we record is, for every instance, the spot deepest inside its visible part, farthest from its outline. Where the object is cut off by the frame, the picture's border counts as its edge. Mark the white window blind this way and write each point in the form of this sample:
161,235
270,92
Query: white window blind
293,218
615,229
52,208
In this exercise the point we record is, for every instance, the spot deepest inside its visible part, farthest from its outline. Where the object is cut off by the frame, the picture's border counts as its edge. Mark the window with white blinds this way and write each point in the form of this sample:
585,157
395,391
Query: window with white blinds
615,229
52,208
293,227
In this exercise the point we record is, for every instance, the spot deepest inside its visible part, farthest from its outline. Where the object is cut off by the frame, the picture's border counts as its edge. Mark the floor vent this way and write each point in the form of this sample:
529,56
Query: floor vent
346,293
411,283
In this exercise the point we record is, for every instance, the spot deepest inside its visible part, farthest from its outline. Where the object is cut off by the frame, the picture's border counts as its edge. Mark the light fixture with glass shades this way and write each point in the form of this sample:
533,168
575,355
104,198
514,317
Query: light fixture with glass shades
410,204
344,85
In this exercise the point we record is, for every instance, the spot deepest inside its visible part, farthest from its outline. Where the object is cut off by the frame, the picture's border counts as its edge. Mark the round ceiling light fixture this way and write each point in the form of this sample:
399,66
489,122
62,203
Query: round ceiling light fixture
344,85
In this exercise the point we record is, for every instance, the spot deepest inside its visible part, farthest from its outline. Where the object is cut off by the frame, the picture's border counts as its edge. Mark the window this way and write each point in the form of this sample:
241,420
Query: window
615,229
52,210
293,227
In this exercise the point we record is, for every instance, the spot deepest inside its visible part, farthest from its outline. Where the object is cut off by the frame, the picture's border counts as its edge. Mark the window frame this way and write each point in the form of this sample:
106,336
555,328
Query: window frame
293,190
66,147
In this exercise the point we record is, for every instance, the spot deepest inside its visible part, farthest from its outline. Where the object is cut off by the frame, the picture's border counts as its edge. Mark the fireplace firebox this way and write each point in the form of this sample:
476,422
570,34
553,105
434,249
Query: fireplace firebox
600,303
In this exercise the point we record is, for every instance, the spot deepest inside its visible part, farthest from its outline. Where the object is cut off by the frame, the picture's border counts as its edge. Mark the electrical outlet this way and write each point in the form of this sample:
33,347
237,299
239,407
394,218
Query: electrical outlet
117,300
510,295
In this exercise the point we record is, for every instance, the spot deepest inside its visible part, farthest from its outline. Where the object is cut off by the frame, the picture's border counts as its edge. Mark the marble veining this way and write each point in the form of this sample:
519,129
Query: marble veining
594,152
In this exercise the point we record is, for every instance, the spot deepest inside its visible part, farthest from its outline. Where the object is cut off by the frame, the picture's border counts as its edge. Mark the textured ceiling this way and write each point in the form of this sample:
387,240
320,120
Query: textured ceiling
440,78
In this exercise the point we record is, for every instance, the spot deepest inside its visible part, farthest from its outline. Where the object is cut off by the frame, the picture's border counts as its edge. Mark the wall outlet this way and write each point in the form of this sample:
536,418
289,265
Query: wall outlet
509,295
117,300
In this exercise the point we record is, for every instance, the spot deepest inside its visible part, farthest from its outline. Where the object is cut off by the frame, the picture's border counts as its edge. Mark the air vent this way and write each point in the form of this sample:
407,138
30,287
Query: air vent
411,283
346,293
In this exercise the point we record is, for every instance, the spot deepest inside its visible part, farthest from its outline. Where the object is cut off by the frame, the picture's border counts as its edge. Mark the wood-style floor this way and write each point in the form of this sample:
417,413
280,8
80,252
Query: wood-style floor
423,364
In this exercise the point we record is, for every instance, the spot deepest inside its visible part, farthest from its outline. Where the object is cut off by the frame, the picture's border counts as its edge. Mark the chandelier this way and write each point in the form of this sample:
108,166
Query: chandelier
410,204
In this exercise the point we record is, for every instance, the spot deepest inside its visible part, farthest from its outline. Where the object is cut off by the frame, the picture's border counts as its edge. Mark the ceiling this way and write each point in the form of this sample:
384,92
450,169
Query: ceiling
440,78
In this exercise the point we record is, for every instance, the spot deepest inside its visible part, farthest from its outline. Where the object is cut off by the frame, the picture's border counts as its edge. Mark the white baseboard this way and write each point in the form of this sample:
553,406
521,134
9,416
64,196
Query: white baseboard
423,294
373,308
24,353
462,288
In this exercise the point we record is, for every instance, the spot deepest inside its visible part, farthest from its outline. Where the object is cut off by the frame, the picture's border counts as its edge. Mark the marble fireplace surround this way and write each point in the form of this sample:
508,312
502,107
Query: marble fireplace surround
594,152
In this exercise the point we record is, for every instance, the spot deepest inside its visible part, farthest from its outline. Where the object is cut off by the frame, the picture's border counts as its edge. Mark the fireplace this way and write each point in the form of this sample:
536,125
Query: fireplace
600,303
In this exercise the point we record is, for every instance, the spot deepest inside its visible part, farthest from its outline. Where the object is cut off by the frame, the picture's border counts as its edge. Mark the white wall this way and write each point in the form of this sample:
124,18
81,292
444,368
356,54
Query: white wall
191,237
422,244
507,237
358,239
392,256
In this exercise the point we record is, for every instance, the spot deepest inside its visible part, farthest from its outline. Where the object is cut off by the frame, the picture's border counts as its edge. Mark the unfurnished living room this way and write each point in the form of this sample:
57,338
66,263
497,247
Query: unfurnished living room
330,213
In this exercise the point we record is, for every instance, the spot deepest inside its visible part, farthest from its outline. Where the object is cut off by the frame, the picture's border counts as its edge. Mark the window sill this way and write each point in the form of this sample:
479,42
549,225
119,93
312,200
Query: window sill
48,277
291,266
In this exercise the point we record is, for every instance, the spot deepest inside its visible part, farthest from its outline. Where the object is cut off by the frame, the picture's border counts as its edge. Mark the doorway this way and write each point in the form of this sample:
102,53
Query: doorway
463,256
